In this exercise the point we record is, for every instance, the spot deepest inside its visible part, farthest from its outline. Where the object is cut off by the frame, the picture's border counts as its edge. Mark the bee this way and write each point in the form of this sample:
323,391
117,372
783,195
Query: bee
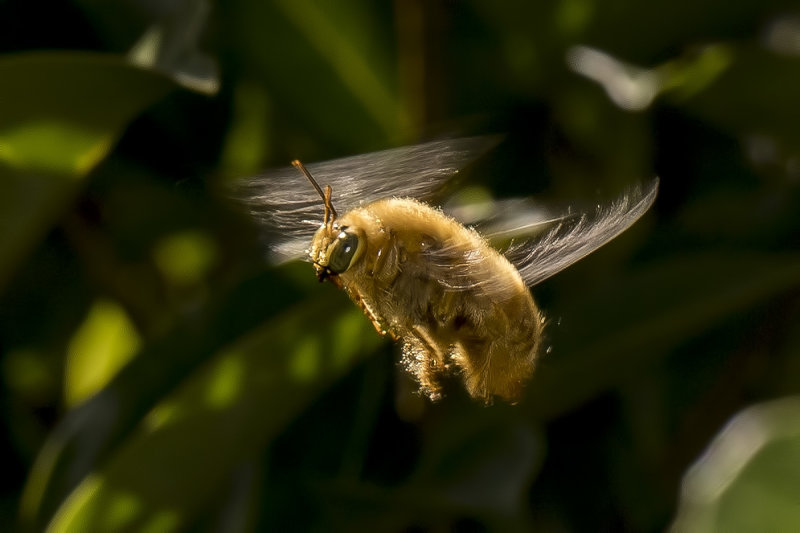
422,277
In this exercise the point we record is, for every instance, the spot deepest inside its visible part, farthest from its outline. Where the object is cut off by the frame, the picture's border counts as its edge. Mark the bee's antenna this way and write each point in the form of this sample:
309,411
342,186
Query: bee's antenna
330,212
328,204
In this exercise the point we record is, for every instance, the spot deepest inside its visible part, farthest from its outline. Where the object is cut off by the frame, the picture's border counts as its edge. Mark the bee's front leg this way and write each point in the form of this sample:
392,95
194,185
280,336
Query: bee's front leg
370,314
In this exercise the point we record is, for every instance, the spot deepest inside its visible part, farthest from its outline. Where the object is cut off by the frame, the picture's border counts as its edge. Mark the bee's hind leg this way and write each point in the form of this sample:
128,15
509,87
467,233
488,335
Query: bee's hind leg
423,357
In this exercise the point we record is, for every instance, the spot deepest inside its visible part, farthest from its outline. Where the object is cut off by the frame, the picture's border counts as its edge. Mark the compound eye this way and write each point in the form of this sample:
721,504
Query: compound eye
342,252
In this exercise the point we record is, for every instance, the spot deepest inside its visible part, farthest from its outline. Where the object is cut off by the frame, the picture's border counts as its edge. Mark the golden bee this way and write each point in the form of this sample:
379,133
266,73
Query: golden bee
422,277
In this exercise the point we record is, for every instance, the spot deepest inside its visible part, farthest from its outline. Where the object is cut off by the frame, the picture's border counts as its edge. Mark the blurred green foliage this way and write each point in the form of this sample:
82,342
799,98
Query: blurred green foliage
158,375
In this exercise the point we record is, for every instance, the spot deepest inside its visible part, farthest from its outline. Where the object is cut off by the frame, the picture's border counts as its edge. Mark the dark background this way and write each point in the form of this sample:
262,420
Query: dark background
158,373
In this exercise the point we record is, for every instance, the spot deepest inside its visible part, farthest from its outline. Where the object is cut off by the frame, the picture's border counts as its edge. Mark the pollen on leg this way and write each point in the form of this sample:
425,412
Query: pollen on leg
423,366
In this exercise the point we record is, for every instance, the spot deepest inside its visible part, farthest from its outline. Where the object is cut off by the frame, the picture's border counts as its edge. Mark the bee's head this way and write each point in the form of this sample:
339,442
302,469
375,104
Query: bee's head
334,248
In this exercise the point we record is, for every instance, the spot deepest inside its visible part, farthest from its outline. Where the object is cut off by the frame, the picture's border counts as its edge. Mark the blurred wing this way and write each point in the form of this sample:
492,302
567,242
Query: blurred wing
575,236
290,211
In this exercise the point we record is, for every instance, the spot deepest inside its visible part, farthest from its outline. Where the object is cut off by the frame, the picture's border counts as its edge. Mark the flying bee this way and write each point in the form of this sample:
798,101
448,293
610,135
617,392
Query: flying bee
422,277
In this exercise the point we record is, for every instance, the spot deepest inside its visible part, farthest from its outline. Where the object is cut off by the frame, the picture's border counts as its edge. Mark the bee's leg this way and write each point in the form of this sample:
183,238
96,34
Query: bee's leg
474,356
430,360
370,314
425,338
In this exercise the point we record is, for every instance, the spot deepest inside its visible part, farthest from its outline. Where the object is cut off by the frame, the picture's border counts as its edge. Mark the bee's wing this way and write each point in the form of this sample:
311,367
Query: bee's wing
576,236
542,243
290,211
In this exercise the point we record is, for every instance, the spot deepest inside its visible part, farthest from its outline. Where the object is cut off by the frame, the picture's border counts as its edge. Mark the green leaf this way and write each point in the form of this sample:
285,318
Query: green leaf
748,477
108,417
344,50
61,112
162,474
100,347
